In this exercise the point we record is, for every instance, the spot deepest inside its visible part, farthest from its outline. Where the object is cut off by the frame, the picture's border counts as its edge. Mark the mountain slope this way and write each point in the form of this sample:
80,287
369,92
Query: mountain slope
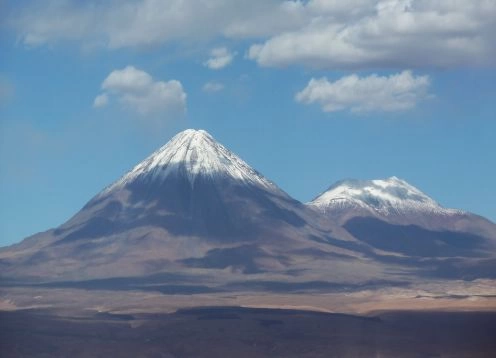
390,197
191,205
189,186
397,202
393,216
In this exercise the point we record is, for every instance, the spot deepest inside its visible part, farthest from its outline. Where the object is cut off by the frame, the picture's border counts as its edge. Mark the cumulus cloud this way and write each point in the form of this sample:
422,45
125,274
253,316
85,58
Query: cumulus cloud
137,90
212,86
129,23
100,100
386,34
220,57
353,34
397,92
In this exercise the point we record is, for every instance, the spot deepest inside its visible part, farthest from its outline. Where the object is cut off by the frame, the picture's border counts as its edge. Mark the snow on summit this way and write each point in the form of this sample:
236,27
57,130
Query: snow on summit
384,196
193,153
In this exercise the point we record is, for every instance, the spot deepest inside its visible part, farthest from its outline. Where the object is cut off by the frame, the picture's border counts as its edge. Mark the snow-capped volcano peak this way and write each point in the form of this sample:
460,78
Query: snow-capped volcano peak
383,196
193,153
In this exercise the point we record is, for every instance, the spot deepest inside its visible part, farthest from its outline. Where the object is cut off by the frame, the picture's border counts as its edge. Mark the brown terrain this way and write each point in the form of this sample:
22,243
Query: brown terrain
431,320
248,332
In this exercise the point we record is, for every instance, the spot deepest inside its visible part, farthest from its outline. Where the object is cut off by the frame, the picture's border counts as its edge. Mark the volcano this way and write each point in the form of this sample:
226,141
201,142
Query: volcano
194,212
191,206
393,216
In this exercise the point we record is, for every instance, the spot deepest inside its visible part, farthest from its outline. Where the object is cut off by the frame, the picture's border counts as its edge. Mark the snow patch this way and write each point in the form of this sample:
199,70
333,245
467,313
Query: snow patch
194,153
385,196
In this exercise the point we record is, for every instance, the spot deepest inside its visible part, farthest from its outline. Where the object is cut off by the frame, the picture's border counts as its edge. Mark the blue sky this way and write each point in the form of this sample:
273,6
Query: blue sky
307,92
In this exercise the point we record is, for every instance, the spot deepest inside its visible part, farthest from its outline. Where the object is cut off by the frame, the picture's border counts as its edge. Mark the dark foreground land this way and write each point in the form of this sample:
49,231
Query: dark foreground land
248,332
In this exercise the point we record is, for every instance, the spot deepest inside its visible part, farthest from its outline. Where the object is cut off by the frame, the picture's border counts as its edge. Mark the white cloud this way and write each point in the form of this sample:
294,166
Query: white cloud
387,34
353,34
137,90
340,8
128,23
262,18
212,87
397,92
219,58
100,100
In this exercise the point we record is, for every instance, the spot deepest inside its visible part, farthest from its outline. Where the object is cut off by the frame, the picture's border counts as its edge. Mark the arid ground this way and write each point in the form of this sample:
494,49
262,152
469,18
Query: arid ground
429,320
248,332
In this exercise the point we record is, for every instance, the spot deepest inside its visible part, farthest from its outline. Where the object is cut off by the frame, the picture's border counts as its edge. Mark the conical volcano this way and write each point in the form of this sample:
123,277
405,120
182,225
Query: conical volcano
191,204
192,154
191,186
